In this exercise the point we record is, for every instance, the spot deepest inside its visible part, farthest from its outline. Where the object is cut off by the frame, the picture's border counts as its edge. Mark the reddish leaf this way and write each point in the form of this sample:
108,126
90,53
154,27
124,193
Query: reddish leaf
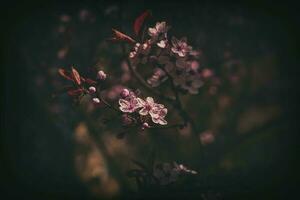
75,92
65,74
90,81
139,21
119,36
76,76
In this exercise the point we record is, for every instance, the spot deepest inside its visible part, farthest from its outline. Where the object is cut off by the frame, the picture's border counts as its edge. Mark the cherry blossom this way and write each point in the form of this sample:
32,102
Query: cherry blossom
147,106
129,105
157,78
158,115
180,47
160,28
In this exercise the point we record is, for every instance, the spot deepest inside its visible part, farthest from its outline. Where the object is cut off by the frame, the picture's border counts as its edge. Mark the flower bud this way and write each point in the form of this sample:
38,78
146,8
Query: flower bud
96,100
145,125
92,90
124,93
101,75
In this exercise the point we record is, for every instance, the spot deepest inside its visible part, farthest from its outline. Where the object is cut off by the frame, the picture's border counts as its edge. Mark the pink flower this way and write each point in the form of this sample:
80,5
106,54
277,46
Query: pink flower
146,106
180,47
157,78
158,115
206,73
160,27
156,111
207,137
129,105
101,75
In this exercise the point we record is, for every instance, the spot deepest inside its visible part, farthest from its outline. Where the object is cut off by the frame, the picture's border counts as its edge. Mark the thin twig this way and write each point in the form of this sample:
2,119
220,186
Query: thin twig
178,104
144,83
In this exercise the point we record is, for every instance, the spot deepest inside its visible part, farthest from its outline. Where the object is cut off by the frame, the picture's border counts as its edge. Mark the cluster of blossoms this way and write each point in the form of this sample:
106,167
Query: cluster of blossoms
80,85
167,173
171,58
131,104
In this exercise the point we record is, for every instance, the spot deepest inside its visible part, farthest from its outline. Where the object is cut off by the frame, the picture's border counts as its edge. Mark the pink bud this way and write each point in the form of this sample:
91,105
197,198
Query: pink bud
101,75
96,100
124,93
92,89
145,125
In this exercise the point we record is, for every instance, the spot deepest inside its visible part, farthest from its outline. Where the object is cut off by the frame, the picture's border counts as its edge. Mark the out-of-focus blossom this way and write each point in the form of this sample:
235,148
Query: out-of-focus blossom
65,18
114,92
156,111
180,47
157,78
101,75
61,54
207,137
158,115
207,73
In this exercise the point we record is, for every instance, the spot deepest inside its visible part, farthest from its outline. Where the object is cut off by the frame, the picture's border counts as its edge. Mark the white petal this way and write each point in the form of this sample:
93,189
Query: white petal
150,100
162,121
140,102
143,111
123,103
152,31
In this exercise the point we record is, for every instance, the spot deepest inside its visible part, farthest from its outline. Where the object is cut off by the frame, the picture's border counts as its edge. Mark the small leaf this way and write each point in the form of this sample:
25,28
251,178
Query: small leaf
139,21
75,92
90,81
64,74
76,76
119,36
